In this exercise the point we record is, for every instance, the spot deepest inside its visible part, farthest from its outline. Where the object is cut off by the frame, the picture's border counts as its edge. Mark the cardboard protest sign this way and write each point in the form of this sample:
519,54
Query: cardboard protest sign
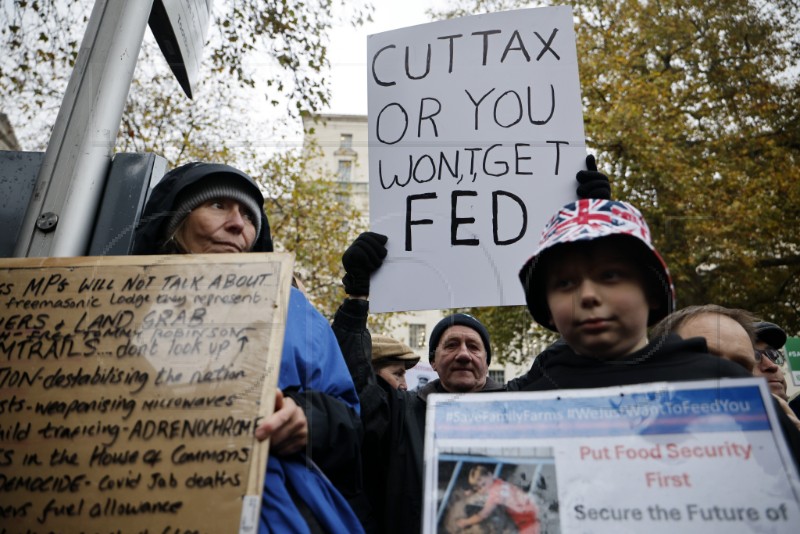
475,137
130,389
678,457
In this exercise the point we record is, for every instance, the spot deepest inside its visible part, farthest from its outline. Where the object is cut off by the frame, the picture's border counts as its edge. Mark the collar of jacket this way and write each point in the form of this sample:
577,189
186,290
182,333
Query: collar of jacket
434,386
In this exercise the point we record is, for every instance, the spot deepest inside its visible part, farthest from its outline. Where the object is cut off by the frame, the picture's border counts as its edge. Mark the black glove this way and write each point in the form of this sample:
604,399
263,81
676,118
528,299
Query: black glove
360,260
594,184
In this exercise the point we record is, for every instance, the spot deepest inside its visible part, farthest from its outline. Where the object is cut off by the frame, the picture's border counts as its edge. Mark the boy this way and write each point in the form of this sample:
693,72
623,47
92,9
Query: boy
598,281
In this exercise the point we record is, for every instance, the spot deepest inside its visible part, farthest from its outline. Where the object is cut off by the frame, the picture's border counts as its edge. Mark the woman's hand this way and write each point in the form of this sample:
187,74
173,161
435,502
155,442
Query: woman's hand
286,428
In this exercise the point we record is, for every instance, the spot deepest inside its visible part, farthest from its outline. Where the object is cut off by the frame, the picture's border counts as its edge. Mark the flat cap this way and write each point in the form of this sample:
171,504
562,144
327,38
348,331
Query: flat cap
387,348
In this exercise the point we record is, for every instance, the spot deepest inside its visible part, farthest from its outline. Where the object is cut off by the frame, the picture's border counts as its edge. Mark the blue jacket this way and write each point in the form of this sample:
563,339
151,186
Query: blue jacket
312,360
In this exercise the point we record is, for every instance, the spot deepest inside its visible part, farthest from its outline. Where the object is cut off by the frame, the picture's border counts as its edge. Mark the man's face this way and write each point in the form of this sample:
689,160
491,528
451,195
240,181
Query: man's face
597,300
724,336
460,360
772,372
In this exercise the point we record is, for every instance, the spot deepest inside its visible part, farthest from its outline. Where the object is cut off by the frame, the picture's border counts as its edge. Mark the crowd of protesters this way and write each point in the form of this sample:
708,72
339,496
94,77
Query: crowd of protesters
347,436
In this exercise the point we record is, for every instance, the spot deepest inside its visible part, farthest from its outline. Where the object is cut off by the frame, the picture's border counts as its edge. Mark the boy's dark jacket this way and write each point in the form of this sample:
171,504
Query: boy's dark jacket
668,359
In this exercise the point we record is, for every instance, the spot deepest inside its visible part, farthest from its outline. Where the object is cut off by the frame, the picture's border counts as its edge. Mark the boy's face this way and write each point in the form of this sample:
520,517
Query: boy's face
597,300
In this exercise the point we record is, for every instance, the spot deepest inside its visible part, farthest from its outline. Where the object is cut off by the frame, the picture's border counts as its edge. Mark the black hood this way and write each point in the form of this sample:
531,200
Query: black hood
150,231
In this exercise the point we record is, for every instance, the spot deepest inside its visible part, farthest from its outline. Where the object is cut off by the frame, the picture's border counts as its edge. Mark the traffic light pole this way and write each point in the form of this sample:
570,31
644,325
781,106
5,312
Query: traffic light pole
62,209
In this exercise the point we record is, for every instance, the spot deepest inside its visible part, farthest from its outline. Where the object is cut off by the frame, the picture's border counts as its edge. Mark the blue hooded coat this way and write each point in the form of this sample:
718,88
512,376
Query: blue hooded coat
303,492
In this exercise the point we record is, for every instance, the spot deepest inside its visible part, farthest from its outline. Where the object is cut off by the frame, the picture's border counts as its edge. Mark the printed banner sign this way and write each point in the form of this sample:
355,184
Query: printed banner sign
475,137
130,389
679,457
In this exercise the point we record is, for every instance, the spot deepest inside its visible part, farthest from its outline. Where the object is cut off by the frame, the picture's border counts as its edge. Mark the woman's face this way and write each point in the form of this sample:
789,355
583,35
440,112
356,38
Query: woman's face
219,225
395,375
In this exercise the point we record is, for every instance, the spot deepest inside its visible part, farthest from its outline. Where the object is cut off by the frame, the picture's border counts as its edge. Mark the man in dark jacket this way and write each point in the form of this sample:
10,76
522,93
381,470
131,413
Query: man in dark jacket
394,420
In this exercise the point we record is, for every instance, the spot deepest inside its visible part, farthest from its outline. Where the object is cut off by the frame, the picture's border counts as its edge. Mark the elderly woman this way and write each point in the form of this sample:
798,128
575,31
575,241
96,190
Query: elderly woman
391,359
202,208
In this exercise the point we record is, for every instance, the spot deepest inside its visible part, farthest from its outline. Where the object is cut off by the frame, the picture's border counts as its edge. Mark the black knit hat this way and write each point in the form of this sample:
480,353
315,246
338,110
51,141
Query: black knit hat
213,187
462,319
182,182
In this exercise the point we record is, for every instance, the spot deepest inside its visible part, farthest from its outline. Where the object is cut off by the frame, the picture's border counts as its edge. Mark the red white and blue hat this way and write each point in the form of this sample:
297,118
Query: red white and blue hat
586,220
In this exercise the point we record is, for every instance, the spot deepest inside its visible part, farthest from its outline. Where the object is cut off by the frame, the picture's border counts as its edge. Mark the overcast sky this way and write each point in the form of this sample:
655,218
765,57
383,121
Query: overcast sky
348,50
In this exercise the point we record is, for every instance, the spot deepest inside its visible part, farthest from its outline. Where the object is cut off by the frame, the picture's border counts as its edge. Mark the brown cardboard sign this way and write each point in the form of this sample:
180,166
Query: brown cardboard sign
131,387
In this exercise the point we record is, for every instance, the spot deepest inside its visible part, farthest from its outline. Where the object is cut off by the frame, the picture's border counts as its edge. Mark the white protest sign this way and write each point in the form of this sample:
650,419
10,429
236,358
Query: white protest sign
678,457
475,137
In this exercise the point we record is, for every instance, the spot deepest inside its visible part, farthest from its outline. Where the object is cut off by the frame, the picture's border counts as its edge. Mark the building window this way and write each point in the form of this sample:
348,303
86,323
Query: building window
498,375
416,336
345,170
346,140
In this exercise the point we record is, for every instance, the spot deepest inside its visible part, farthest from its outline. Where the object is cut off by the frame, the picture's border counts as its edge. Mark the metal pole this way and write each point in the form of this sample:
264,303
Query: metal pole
61,213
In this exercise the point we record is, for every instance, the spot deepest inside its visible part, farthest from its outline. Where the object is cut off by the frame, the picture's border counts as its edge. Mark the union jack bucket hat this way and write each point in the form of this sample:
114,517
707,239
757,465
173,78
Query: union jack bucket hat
587,220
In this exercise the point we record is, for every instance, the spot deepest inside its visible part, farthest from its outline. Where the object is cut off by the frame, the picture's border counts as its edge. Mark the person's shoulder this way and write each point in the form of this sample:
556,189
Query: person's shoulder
693,354
421,394
673,347
561,355
550,367
674,344
794,404
299,301
492,385
297,295
559,351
